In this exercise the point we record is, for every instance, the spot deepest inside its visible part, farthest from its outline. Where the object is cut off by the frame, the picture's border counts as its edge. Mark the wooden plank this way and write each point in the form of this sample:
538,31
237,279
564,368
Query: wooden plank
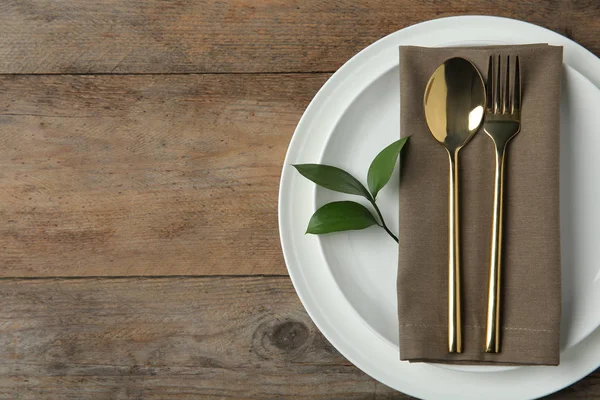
144,175
168,338
175,338
142,36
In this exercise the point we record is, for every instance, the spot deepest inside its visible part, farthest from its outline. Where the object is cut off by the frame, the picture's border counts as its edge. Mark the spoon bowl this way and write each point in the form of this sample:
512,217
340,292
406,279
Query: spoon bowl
454,102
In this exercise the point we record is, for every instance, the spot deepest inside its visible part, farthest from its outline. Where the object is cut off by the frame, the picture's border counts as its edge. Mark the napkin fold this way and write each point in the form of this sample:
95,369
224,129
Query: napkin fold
531,265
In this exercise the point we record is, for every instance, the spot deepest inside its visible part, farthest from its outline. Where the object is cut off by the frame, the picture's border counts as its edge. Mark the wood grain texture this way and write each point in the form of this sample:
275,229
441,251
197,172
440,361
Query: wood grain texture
175,338
150,36
202,338
144,175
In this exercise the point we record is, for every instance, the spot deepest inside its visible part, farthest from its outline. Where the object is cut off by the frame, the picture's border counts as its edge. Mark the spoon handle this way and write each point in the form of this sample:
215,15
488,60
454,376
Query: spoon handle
492,331
454,319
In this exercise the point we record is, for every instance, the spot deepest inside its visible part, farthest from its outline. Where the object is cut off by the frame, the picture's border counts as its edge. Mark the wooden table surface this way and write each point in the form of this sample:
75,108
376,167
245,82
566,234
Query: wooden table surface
141,149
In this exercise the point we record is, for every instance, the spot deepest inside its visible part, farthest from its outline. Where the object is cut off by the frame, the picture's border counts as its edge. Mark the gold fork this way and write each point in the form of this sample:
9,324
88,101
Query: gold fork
502,123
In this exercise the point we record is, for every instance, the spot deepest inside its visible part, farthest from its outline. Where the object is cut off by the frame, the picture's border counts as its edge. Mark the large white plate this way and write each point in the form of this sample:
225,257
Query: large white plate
346,281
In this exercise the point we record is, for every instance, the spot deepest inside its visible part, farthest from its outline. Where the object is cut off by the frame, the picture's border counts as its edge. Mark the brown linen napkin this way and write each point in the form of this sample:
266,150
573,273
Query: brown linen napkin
531,271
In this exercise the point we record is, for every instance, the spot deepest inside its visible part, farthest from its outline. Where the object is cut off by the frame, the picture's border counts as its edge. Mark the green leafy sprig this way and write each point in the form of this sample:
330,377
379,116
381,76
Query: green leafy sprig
348,215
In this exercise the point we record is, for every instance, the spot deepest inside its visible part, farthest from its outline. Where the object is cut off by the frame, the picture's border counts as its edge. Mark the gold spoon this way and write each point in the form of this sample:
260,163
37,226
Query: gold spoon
454,105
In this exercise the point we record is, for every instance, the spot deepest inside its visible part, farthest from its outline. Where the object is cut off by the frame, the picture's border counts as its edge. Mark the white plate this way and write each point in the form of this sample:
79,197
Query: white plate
346,281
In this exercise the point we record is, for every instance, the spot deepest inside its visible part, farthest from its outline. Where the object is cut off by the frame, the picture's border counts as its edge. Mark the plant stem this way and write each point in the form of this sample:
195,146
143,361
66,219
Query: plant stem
383,225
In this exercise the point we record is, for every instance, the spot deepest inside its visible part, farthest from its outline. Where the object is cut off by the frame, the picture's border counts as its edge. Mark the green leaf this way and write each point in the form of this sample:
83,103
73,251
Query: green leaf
333,178
382,166
340,216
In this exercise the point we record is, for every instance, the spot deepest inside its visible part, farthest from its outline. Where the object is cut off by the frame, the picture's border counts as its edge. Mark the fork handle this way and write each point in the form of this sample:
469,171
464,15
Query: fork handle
492,335
454,319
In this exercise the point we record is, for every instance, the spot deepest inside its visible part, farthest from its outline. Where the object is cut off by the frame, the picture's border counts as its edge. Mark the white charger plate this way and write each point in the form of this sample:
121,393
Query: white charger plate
346,281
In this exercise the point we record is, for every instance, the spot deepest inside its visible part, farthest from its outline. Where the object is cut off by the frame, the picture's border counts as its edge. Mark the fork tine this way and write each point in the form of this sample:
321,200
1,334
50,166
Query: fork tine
490,84
516,102
497,87
506,98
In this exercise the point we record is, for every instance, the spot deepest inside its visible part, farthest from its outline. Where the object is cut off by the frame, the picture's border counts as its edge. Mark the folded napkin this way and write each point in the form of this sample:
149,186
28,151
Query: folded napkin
531,269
